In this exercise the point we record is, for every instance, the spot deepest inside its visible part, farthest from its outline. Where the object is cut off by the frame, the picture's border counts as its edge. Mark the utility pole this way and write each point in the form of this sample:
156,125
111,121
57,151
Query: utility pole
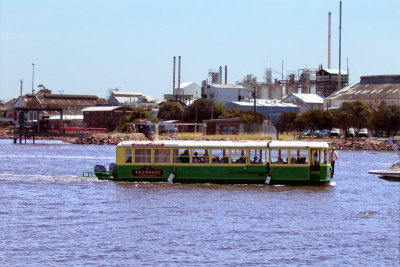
21,81
340,47
255,102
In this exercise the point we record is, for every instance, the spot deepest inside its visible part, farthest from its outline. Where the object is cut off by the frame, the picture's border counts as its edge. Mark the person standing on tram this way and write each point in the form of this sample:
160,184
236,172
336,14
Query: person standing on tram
334,157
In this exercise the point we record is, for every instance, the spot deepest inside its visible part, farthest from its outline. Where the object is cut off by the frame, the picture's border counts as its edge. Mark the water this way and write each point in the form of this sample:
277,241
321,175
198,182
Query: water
51,216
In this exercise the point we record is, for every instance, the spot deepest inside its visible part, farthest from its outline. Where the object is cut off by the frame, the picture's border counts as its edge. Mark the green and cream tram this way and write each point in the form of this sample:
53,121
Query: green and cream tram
232,162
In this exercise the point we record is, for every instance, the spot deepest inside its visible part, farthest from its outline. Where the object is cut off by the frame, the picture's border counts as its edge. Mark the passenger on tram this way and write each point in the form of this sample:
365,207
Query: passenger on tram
196,158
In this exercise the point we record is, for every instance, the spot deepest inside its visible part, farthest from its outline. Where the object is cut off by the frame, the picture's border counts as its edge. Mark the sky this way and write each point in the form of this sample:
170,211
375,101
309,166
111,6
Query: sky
92,46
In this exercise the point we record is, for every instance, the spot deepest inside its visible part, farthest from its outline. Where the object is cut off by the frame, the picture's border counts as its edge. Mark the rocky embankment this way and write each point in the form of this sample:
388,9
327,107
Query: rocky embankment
358,144
106,139
113,139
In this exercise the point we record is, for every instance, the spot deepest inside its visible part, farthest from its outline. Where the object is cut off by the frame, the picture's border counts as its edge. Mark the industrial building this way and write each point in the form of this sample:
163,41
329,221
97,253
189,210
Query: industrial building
371,89
224,93
270,108
328,81
305,102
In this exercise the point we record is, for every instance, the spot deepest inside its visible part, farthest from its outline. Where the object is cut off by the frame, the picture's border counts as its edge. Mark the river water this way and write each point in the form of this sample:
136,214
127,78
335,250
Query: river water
51,216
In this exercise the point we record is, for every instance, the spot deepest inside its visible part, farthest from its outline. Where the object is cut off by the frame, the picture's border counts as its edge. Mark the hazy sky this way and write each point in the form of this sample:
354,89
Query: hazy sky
90,46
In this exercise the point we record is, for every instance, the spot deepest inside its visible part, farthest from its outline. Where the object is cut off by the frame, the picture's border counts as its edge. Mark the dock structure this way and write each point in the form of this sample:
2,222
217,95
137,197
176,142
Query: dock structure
40,127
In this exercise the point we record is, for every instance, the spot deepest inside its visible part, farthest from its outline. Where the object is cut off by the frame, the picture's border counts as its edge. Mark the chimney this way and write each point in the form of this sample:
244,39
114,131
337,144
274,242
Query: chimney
226,74
179,73
329,40
173,85
220,74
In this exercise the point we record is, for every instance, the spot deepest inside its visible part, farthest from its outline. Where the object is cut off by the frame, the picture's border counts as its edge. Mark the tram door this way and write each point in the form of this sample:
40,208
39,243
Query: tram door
315,169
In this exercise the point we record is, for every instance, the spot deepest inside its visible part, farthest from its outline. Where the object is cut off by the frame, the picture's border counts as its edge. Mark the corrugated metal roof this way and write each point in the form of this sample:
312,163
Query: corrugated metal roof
335,71
307,98
227,86
132,94
106,108
367,91
264,104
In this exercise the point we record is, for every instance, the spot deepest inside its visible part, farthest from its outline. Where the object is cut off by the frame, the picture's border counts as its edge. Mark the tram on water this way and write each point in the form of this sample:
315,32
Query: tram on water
222,162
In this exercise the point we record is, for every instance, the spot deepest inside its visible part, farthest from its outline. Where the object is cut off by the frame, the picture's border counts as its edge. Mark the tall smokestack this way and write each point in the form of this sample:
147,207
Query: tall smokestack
329,40
179,74
220,74
340,47
173,79
226,74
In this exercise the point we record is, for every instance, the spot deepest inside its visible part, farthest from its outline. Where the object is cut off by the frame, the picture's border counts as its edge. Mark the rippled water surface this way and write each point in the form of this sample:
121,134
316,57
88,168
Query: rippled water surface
50,215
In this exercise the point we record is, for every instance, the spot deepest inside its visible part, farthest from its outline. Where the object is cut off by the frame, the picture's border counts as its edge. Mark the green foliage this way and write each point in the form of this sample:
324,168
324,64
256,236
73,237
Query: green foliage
285,121
170,110
204,108
386,120
355,114
44,91
135,116
245,116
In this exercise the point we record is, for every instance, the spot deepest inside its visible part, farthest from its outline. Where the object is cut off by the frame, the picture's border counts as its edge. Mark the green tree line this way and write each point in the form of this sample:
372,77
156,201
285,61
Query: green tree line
197,111
383,120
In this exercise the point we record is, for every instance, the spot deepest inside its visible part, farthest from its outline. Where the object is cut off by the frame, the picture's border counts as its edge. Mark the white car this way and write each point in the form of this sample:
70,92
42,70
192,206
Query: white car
335,132
363,133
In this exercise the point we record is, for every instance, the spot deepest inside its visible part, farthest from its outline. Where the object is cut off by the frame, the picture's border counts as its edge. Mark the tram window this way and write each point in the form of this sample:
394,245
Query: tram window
142,155
200,156
279,156
257,156
219,156
162,155
128,155
299,156
181,155
315,153
238,156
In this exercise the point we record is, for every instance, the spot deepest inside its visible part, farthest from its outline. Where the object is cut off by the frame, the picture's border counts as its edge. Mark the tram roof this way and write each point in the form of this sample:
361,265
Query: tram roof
224,144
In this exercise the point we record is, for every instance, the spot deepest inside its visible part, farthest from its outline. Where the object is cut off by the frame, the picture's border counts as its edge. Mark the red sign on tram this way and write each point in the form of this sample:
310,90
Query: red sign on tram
147,172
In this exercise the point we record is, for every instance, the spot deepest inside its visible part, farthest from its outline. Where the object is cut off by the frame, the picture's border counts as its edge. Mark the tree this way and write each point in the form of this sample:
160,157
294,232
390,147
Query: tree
203,110
245,116
135,116
170,110
44,91
285,121
386,120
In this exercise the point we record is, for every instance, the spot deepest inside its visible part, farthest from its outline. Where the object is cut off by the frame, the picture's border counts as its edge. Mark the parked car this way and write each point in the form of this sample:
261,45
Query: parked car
335,132
315,133
363,133
306,132
324,133
169,129
350,133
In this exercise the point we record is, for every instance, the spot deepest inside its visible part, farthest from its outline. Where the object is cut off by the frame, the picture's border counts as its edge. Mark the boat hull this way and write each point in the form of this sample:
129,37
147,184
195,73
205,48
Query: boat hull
222,174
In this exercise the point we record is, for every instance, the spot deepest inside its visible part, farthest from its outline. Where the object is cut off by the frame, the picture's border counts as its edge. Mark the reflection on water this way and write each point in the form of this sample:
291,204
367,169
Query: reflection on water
50,215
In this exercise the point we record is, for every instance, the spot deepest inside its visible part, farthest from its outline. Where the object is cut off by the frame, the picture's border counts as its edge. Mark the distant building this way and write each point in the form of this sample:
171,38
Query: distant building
127,99
270,108
134,100
70,104
328,81
7,110
305,102
223,127
224,93
371,89
104,117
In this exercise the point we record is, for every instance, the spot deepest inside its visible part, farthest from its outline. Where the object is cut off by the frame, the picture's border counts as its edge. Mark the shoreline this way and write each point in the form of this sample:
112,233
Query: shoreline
351,144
